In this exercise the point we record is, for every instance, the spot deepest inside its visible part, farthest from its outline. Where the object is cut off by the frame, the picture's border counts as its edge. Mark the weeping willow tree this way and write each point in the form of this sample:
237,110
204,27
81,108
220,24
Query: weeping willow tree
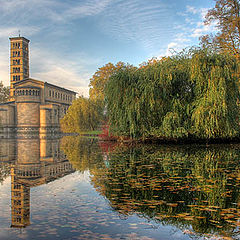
215,109
191,95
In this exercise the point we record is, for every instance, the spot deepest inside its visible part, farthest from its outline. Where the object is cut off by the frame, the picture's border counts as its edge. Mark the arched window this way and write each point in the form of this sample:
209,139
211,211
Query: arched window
33,92
30,92
26,92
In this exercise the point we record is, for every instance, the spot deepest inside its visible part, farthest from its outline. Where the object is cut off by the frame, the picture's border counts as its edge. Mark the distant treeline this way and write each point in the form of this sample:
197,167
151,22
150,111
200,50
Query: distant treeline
192,95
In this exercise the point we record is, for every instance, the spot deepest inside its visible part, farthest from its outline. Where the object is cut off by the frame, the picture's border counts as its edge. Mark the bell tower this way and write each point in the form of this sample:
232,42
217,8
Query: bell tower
19,61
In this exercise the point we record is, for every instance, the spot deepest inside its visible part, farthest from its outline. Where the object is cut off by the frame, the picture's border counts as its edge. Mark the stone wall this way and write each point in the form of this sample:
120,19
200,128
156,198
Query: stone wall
58,95
49,118
28,115
7,115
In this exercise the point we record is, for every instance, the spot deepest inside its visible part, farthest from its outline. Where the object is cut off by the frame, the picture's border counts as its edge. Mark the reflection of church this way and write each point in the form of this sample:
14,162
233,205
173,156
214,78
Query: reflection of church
36,162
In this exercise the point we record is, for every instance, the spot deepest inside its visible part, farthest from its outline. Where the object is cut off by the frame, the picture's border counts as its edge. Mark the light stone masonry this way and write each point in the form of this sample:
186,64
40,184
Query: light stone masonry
34,106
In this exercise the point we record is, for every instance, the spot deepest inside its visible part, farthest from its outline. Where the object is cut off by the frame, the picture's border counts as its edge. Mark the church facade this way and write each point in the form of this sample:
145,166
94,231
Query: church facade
34,106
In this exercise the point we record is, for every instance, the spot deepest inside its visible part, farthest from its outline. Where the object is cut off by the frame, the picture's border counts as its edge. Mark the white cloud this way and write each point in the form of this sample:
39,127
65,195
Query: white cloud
191,9
190,30
196,11
203,12
177,46
171,48
89,8
13,31
138,21
70,73
200,30
54,10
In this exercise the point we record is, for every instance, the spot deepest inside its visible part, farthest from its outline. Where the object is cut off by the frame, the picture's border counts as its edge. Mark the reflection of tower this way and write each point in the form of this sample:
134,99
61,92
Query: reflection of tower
26,169
20,202
38,161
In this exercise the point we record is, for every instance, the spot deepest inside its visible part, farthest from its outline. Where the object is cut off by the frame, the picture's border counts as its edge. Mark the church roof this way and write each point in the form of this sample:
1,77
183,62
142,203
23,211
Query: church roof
40,83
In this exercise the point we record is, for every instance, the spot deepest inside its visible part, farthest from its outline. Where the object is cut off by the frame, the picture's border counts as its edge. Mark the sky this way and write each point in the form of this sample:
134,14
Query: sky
71,39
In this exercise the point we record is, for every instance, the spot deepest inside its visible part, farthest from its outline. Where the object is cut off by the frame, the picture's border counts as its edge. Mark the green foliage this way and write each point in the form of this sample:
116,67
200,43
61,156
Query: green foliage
83,115
215,110
4,93
193,94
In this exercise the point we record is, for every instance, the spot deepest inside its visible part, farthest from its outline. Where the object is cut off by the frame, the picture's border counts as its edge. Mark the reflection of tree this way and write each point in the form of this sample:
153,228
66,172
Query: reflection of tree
4,171
83,153
183,186
175,185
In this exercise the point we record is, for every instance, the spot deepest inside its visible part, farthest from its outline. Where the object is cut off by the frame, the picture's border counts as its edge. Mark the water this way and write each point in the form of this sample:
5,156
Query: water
79,188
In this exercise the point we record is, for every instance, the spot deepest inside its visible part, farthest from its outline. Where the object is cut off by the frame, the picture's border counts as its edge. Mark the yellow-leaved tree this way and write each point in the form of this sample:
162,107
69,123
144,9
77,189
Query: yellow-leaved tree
83,115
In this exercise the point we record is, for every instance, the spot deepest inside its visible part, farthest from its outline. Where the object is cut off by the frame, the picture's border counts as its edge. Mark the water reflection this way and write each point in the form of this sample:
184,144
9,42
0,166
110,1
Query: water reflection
32,162
194,188
193,191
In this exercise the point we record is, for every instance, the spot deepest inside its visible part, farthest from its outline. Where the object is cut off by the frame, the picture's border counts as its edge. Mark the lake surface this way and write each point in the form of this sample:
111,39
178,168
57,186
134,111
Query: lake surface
79,188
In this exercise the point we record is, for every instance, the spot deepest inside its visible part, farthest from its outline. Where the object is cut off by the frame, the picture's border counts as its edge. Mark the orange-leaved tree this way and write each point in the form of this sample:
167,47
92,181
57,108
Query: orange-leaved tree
100,78
226,16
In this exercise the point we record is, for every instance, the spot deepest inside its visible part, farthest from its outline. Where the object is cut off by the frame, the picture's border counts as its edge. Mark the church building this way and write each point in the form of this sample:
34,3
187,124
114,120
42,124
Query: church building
34,106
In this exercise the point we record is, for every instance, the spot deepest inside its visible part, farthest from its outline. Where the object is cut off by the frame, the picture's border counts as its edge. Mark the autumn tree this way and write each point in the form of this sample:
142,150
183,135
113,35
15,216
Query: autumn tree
83,115
226,16
100,78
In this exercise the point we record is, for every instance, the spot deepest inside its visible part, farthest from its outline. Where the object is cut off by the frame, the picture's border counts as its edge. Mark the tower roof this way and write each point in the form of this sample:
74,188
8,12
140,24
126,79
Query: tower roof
19,38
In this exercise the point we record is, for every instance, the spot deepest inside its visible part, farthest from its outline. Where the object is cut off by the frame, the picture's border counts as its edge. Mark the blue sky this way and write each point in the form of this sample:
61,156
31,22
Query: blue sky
71,39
